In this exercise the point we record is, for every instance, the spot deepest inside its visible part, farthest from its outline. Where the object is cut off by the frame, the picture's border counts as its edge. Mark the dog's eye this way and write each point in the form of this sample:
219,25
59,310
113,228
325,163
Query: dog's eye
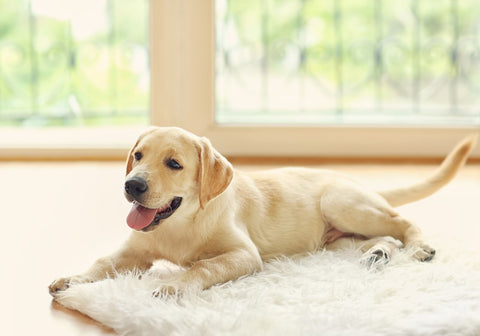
138,156
171,163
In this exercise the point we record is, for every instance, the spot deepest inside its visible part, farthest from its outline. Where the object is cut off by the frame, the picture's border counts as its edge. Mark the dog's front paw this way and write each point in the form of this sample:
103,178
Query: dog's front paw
58,285
171,288
166,290
64,283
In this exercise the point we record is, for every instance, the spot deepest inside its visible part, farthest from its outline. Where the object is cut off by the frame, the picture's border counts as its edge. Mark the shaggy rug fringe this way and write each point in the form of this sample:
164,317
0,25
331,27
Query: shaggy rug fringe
325,293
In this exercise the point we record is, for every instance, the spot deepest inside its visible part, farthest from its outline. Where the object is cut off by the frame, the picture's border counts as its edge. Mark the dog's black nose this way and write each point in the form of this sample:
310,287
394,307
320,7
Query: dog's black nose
136,186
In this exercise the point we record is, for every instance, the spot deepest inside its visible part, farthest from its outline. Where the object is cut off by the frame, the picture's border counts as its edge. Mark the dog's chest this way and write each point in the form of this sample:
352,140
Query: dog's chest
178,245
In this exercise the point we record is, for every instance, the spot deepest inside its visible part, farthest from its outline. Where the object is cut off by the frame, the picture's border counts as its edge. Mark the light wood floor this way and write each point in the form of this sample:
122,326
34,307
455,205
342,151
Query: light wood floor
57,218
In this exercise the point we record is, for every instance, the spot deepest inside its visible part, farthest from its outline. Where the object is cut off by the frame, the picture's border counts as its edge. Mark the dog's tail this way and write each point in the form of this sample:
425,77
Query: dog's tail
444,174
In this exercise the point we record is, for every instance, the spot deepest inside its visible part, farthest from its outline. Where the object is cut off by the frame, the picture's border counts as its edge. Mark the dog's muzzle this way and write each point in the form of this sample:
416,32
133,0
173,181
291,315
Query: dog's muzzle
136,187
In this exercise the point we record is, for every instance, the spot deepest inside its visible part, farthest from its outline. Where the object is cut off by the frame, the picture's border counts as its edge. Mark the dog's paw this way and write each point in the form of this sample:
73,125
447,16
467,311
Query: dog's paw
64,283
175,288
166,290
58,285
422,251
376,257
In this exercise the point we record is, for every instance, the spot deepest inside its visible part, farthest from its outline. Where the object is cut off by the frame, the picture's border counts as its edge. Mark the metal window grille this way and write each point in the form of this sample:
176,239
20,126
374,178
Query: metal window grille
348,61
73,62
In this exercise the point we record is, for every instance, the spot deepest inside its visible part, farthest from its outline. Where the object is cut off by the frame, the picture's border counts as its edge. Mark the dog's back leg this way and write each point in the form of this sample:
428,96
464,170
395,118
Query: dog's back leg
376,251
352,209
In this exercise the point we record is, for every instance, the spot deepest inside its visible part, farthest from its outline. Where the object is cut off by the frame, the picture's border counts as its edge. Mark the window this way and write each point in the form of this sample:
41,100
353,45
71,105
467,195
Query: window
348,62
199,88
73,63
268,77
74,76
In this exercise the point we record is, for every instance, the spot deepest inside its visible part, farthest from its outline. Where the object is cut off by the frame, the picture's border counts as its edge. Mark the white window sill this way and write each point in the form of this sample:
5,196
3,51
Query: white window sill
102,143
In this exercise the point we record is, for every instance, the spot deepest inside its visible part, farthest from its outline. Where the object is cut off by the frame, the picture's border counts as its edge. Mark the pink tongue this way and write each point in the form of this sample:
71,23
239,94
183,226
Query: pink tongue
140,217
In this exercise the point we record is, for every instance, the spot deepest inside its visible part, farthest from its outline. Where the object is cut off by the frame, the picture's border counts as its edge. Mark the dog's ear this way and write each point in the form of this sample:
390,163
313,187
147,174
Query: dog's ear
215,173
130,157
132,150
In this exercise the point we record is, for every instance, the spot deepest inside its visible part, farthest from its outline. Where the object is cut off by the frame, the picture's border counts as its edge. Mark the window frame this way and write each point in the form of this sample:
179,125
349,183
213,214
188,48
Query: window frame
182,93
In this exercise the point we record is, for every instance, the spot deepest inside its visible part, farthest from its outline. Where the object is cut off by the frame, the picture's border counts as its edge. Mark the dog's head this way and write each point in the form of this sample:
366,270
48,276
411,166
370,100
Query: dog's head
170,171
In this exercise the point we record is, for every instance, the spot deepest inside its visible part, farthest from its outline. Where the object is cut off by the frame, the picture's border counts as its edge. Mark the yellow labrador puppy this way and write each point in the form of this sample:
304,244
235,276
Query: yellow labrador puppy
191,207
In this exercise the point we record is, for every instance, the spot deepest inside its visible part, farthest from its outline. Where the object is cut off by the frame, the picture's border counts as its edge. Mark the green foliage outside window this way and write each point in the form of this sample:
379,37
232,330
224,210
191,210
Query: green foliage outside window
74,65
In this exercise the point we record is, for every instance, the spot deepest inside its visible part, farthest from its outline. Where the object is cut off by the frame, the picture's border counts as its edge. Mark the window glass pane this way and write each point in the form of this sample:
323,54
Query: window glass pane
348,61
73,62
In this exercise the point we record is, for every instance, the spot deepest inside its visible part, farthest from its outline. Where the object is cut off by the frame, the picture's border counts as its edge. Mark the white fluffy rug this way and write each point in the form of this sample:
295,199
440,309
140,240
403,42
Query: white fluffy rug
326,293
